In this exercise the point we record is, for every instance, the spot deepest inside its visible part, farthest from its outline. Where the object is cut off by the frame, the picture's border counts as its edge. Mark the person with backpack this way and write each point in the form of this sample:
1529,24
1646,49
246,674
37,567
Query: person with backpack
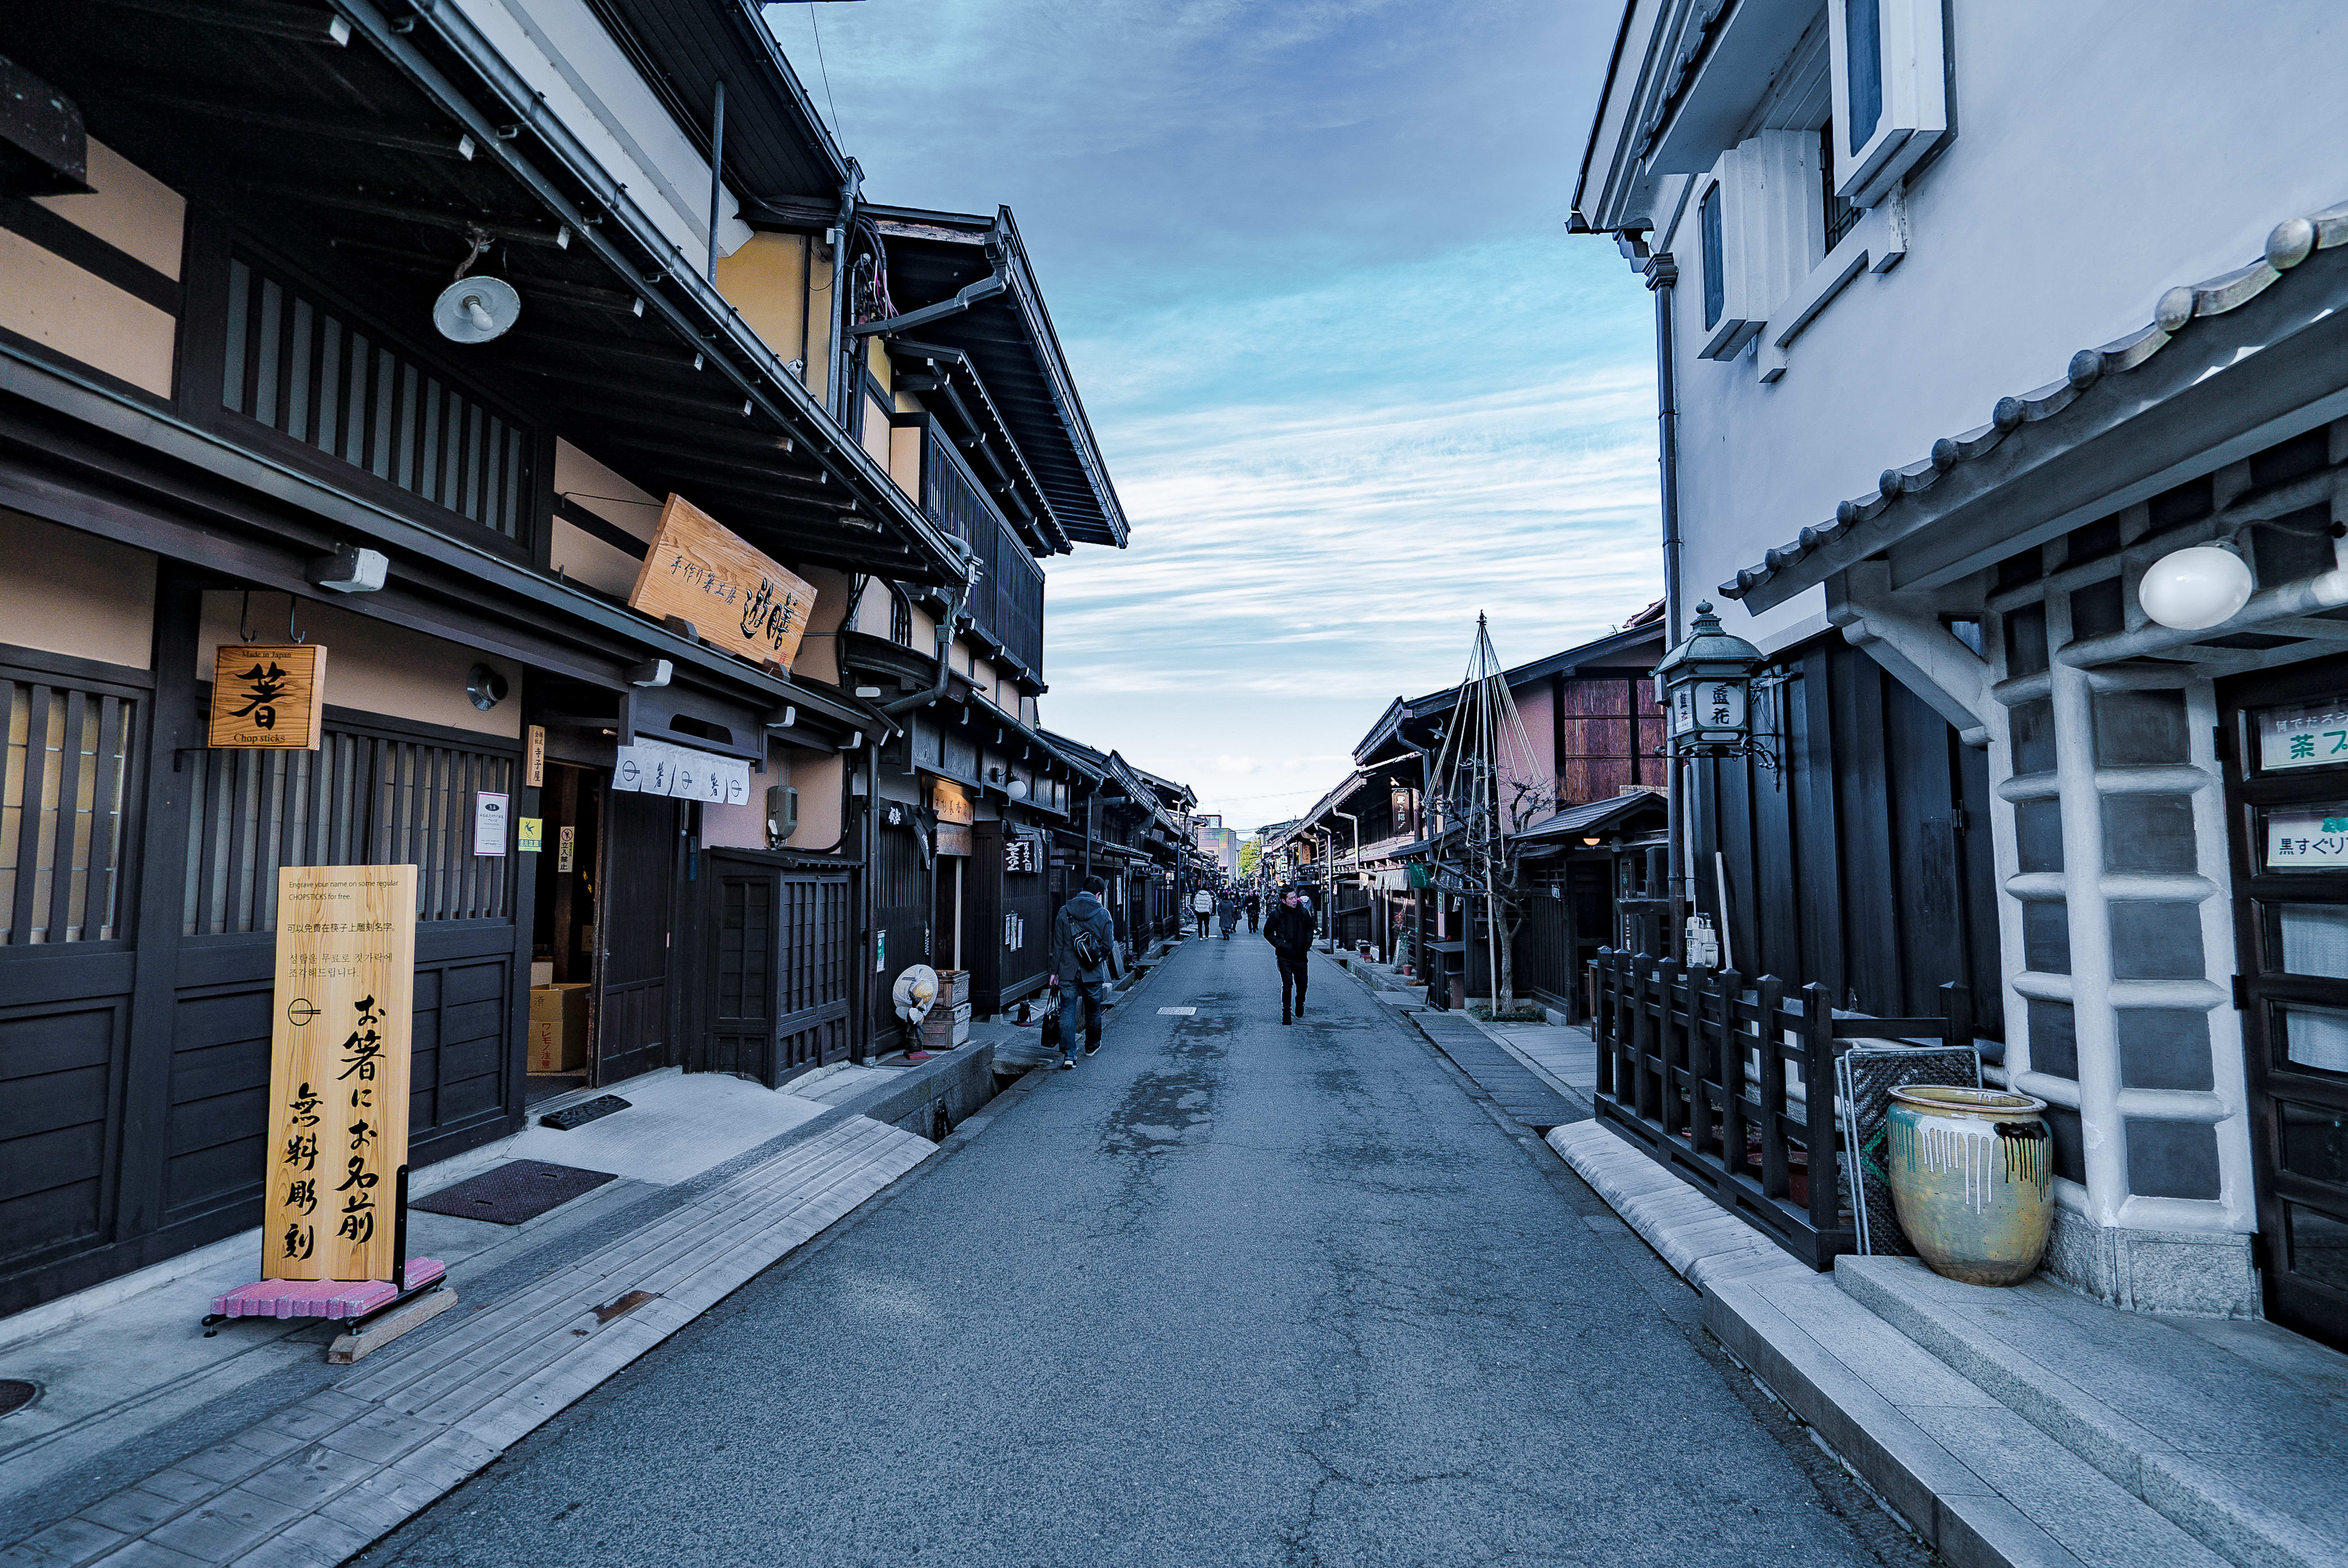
1253,907
1290,932
1202,903
1084,962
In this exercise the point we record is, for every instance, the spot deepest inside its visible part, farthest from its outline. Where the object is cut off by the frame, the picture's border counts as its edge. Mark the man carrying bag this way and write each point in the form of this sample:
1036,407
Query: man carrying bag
1290,932
1084,962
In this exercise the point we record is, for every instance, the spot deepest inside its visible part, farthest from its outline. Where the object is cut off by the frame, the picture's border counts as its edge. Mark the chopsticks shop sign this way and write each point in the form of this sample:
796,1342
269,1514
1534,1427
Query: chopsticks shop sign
737,597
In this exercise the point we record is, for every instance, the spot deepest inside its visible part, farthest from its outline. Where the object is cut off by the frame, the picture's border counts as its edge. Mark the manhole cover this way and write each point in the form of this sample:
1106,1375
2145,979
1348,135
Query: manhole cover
15,1394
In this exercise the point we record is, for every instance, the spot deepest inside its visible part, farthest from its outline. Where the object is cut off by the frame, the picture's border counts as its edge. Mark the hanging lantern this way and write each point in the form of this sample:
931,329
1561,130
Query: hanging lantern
1705,685
2196,589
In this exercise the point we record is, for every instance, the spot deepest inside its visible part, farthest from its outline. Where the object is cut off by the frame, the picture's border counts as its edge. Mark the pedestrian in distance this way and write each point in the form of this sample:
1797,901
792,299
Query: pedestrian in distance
1084,962
1253,905
1290,932
1202,903
1227,914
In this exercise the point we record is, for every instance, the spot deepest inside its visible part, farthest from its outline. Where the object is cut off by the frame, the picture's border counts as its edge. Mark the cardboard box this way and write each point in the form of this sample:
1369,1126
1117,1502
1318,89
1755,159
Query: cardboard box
558,1027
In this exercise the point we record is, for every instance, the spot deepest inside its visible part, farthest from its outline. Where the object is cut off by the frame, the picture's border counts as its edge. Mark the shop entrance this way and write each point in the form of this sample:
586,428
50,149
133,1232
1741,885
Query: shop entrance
563,928
640,879
2287,795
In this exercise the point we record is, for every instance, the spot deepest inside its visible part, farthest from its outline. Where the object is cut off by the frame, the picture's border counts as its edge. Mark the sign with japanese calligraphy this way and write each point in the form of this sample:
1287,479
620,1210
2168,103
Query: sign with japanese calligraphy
338,1070
1023,856
2307,839
533,756
955,813
654,767
2310,737
268,696
735,595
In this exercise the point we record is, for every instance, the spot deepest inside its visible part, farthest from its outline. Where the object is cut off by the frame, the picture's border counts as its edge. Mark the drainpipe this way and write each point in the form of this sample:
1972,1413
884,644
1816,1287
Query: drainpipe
946,640
1663,275
837,400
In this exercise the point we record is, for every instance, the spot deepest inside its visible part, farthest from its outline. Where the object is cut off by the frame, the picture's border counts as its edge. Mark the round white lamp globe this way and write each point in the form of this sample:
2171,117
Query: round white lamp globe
2193,588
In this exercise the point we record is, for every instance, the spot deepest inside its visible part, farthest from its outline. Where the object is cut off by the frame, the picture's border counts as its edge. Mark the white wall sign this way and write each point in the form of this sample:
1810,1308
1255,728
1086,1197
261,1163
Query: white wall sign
2310,737
2304,840
656,767
488,822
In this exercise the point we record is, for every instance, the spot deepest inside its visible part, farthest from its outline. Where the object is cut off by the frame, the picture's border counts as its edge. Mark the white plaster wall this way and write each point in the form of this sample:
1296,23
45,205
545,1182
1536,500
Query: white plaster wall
569,59
2105,150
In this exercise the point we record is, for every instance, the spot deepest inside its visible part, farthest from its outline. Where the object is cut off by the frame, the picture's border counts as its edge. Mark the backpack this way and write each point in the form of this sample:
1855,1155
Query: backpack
1085,946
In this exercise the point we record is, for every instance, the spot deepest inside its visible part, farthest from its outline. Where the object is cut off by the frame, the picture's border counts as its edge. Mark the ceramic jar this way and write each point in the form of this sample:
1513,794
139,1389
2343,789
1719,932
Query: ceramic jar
1972,1179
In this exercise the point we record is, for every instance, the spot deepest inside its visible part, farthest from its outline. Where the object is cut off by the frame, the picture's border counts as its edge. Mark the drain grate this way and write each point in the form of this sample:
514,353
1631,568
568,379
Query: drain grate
514,1192
15,1394
1177,1012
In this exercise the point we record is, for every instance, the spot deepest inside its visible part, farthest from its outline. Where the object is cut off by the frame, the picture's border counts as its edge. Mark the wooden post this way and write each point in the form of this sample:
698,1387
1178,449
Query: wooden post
1601,1020
1732,1081
1957,1007
1773,1087
1715,1029
1643,1037
1671,1048
1818,1103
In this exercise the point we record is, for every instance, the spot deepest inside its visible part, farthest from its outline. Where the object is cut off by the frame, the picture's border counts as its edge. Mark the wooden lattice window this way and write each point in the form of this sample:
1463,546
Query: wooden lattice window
63,780
361,799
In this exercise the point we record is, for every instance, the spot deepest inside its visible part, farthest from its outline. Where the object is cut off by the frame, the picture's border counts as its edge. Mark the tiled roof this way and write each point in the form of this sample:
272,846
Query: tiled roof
2293,242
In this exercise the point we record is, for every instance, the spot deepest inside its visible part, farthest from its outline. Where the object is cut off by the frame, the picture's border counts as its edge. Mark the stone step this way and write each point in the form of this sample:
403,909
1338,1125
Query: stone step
2236,1432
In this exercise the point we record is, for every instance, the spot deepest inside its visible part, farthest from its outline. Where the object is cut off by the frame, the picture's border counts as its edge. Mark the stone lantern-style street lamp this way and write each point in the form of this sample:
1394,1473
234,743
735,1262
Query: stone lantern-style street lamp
1705,685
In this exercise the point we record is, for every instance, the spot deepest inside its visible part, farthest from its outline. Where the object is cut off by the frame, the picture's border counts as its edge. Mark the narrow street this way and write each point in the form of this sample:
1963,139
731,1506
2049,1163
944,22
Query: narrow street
1228,1293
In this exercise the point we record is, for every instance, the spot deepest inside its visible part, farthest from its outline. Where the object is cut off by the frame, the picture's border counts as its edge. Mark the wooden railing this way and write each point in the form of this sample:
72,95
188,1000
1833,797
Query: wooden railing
1731,1084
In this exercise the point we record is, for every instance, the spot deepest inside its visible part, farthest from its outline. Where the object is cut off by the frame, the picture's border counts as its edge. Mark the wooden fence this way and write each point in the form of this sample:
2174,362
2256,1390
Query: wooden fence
1718,1078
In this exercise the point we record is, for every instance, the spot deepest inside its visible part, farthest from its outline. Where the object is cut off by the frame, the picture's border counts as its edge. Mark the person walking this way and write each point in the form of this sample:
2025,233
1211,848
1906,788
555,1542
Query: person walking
1084,962
1227,912
1202,903
1252,906
1290,932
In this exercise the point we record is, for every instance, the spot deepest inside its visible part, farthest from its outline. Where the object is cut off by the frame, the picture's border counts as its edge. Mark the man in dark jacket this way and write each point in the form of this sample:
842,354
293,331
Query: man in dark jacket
1083,922
1290,932
1253,905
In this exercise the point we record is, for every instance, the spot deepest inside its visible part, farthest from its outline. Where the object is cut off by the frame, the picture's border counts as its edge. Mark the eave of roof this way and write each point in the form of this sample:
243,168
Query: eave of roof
1012,340
2107,386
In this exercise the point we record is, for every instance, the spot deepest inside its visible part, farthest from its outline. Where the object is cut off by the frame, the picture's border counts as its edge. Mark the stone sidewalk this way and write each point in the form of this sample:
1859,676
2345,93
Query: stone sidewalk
314,1479
1966,1409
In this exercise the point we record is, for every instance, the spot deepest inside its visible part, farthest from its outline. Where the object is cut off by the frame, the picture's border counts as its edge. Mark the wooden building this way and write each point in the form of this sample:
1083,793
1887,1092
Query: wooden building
230,416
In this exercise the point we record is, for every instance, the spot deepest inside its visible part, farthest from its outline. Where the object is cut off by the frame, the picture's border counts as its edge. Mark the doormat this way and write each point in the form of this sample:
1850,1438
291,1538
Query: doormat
514,1192
586,1111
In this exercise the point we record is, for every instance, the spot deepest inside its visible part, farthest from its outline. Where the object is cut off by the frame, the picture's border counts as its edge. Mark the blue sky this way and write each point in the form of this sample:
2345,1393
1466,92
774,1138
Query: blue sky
1353,380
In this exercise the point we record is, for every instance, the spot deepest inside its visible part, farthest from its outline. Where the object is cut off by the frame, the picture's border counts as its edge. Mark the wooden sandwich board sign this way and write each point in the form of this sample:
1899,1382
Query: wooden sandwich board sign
268,696
738,598
338,1071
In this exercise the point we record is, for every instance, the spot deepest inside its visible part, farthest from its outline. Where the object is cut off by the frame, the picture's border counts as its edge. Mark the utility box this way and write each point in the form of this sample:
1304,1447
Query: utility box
558,1027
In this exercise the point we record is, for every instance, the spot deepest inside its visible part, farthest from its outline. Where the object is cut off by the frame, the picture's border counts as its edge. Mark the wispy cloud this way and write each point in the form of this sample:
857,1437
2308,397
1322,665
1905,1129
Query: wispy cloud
1353,383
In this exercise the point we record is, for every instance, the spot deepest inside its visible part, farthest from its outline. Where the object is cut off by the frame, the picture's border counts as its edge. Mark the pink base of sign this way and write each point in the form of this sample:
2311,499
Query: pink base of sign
322,1297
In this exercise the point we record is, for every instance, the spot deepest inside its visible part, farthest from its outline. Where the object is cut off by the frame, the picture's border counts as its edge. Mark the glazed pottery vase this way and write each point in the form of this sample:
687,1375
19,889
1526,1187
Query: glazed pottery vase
1972,1179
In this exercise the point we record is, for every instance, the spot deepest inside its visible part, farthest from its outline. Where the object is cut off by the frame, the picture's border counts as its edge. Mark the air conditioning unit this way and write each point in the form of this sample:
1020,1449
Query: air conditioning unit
1890,91
1754,214
782,813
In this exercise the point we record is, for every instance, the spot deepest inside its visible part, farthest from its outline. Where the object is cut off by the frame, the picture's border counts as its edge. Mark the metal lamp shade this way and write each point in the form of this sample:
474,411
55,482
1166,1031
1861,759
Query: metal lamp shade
1706,686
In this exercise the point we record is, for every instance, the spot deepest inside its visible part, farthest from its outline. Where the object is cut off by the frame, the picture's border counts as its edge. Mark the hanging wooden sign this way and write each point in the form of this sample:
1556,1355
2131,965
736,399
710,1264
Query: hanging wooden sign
737,597
268,696
338,1071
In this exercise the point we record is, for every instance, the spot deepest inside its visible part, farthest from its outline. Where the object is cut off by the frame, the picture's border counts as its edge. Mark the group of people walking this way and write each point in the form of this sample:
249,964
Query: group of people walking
1225,907
1085,963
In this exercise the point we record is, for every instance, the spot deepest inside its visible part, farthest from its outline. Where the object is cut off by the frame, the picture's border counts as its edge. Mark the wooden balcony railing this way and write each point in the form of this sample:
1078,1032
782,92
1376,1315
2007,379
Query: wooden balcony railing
1731,1084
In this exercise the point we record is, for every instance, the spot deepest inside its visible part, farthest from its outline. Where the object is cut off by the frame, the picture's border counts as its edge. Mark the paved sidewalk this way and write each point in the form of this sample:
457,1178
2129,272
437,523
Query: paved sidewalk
251,1449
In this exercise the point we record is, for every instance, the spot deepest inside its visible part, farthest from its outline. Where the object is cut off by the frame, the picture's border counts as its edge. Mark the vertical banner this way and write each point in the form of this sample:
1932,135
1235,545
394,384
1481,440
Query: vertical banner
338,1071
533,756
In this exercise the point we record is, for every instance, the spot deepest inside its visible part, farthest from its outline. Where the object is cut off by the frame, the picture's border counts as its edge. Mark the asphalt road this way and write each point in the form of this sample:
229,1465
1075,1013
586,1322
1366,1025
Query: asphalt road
1227,1294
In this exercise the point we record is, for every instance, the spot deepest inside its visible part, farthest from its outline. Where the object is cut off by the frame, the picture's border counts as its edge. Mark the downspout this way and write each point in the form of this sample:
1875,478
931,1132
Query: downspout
868,880
836,399
946,624
1663,274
